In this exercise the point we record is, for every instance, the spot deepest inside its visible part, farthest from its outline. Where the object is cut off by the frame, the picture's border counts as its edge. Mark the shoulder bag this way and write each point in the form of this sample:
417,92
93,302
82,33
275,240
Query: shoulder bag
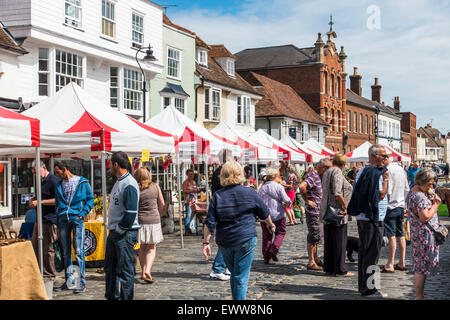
332,215
440,234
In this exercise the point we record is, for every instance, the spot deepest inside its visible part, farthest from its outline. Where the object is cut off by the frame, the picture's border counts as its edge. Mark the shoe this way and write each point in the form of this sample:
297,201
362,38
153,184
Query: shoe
274,256
319,263
397,267
80,290
384,270
61,288
227,272
376,295
314,267
219,276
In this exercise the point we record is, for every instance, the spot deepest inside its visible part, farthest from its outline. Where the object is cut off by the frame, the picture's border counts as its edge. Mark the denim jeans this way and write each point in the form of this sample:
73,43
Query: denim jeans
239,261
65,230
219,263
187,220
119,265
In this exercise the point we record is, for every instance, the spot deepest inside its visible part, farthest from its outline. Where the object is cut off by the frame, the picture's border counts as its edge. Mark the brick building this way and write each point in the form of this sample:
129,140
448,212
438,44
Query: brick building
361,115
409,131
316,73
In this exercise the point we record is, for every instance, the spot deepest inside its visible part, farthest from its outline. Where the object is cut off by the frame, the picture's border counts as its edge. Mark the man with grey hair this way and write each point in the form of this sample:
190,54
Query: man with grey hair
311,191
369,205
49,233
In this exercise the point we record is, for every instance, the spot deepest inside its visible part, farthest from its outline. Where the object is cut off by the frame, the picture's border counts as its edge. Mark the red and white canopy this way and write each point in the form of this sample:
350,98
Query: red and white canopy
250,151
17,130
284,152
397,156
360,154
319,148
311,156
74,122
194,141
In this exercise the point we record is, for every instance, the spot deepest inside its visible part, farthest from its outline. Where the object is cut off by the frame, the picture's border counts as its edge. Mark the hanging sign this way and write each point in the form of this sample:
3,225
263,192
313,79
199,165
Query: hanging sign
145,155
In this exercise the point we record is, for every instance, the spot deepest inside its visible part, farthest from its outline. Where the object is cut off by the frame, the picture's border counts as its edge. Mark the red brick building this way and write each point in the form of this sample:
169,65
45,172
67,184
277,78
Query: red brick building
409,131
316,73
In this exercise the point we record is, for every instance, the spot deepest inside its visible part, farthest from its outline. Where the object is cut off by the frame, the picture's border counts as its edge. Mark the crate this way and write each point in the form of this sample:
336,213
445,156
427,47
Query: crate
443,210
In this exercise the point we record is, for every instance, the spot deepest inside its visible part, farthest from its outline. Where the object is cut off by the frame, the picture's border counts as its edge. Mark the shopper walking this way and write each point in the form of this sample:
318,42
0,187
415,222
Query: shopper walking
393,222
423,211
311,191
190,191
74,200
369,205
337,192
231,215
275,198
123,229
412,173
290,186
49,186
151,202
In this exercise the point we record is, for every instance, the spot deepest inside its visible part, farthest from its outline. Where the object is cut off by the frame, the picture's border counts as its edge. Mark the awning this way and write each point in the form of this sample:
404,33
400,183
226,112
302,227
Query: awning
174,89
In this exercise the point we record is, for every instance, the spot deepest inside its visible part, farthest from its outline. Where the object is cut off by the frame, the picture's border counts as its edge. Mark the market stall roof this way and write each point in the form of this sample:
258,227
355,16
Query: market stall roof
17,130
312,156
74,122
360,154
194,140
251,150
397,156
284,152
317,147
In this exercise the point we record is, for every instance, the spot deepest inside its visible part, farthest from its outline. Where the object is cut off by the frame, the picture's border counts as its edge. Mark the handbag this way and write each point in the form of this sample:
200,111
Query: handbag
332,216
440,234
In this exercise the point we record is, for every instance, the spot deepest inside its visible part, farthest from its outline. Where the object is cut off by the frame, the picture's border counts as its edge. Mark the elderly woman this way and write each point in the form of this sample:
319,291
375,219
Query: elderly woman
232,213
274,196
337,192
423,211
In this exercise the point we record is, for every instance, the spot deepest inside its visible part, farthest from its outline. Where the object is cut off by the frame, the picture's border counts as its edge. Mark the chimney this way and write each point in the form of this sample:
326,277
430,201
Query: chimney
319,48
355,82
397,103
376,91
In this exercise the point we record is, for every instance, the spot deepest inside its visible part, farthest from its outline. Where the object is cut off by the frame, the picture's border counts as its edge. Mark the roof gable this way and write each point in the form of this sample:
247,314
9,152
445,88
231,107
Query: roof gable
168,22
8,42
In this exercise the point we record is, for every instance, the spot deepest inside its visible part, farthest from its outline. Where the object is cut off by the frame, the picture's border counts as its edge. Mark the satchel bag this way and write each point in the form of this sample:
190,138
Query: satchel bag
440,234
332,216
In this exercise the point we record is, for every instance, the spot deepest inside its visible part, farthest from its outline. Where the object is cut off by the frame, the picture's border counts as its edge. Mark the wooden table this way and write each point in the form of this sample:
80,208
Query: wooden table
20,278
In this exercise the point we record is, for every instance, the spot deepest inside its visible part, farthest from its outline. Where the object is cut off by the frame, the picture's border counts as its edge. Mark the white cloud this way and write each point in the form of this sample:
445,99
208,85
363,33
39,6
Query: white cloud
409,54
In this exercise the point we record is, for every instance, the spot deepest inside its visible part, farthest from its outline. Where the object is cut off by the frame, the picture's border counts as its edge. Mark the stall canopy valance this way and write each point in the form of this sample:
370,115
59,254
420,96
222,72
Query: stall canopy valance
314,145
311,156
17,130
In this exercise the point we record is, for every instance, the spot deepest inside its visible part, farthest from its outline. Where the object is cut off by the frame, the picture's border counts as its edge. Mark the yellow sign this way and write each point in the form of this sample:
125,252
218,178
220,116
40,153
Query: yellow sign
145,155
131,161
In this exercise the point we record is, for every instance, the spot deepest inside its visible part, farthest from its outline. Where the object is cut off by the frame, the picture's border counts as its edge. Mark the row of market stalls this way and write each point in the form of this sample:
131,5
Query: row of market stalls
73,124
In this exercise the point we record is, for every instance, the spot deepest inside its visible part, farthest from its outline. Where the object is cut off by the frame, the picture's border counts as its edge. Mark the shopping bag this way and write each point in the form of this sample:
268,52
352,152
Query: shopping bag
406,230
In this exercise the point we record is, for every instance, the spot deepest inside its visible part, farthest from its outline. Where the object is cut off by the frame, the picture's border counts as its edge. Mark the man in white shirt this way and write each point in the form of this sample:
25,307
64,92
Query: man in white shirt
393,222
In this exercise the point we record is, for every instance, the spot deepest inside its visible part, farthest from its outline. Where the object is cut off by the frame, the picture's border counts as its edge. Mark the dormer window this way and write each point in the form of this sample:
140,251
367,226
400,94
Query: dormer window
230,67
202,57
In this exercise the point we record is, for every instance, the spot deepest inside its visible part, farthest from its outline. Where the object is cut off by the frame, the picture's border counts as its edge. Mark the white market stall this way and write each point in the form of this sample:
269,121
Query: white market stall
360,154
312,156
314,145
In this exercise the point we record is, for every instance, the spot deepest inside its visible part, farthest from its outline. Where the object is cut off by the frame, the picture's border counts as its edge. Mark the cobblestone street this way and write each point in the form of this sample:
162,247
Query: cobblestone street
184,274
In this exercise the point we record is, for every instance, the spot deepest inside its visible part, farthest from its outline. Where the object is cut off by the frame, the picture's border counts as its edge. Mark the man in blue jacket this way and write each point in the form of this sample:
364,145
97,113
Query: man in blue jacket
74,200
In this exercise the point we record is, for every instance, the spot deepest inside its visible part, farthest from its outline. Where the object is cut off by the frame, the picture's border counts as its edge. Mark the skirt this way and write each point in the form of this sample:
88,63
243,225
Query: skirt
150,234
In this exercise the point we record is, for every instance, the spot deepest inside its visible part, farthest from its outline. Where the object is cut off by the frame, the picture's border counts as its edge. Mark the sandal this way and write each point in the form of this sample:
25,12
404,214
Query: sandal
314,267
397,267
384,270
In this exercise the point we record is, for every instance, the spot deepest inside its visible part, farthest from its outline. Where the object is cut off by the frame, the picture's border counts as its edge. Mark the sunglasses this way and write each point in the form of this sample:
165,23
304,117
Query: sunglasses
385,156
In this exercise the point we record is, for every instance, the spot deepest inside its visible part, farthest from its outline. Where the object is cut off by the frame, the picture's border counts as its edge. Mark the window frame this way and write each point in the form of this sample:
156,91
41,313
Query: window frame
219,107
355,122
349,120
7,188
117,87
366,124
180,52
360,123
137,91
134,44
199,60
44,72
172,102
109,19
66,17
230,67
78,79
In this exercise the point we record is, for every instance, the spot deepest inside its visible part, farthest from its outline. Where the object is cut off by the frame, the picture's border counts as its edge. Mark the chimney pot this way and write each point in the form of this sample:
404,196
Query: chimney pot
355,82
376,91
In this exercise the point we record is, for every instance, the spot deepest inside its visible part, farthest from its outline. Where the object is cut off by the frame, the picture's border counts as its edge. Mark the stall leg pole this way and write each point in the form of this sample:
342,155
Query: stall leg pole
39,211
179,199
207,182
52,164
256,175
105,213
92,175
157,171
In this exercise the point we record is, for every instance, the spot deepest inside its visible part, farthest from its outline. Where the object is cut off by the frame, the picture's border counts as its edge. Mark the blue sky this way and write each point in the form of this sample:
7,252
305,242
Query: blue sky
406,44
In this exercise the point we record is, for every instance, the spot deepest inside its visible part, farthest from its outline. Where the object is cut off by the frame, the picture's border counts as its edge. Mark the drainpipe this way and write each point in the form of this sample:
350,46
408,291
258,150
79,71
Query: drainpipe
196,96
270,126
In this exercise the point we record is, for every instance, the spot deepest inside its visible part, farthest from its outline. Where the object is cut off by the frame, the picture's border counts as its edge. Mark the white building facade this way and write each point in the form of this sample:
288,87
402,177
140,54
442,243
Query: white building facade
90,42
389,128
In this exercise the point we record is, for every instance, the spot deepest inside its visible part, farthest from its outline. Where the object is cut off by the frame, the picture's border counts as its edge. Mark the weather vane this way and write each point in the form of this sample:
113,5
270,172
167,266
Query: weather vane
331,22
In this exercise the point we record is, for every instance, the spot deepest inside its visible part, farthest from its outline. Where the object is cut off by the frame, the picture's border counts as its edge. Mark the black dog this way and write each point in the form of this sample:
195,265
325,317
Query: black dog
352,245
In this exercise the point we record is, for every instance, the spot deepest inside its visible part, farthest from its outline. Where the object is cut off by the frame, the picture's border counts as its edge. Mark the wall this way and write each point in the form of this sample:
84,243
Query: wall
358,138
385,137
9,64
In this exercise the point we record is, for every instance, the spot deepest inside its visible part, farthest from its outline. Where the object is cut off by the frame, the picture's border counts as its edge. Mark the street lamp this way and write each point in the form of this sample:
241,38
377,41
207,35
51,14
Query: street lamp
147,58
377,112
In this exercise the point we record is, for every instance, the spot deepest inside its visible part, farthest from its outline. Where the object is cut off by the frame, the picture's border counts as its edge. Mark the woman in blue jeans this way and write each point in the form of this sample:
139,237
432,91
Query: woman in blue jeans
232,214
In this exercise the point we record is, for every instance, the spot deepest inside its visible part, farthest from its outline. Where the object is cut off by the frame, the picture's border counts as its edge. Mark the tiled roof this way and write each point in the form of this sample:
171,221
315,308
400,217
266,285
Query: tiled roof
353,98
281,100
8,42
216,74
219,51
200,43
168,22
270,57
431,133
429,141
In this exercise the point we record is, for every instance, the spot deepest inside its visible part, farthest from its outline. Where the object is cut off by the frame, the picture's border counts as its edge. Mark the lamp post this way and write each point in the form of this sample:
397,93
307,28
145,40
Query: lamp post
377,112
150,58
